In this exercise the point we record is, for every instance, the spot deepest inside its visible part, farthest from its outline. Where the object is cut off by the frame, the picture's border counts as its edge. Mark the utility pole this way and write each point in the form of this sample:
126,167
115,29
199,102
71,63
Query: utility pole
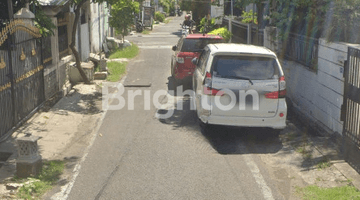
10,9
230,20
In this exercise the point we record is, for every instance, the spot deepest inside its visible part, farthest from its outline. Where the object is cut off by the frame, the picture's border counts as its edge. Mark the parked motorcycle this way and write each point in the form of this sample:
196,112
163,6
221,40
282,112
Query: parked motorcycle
179,12
139,26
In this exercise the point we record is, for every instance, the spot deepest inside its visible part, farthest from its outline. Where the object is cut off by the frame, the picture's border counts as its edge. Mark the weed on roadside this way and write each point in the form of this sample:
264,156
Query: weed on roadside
127,52
35,187
313,192
323,164
146,32
167,21
116,70
348,181
302,149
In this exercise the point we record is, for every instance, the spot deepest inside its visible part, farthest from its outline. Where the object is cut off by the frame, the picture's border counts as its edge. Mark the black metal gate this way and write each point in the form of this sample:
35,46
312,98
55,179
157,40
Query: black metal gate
21,73
351,106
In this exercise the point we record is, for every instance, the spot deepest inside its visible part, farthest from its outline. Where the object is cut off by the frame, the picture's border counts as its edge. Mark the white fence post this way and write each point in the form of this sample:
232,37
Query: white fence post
249,33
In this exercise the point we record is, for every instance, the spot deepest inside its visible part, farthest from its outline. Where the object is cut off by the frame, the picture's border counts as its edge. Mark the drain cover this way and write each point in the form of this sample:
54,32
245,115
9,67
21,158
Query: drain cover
3,157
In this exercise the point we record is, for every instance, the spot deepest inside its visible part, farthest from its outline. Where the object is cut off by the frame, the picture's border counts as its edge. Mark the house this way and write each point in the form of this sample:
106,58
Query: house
91,33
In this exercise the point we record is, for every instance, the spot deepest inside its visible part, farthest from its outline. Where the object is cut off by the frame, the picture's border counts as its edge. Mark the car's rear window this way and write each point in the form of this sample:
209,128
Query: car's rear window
195,45
252,67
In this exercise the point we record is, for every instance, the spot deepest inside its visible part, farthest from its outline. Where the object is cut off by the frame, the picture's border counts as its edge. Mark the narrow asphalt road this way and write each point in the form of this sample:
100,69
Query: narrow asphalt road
140,156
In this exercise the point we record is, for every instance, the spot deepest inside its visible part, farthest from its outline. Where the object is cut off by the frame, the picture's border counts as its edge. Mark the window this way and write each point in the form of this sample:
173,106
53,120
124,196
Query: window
63,41
203,60
195,45
253,67
179,45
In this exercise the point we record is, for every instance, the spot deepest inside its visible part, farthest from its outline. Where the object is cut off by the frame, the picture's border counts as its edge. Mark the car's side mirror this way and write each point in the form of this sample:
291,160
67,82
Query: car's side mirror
174,48
194,61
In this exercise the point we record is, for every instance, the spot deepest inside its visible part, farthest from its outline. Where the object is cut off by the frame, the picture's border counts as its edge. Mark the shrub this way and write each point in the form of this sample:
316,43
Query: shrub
223,32
159,16
247,17
209,23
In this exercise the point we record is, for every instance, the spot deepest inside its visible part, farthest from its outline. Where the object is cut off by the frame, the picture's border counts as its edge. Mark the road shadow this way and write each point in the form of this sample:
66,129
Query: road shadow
312,147
177,33
224,139
78,101
174,86
232,140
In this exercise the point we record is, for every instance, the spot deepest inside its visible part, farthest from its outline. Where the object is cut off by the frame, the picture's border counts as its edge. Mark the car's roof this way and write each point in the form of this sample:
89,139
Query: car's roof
239,48
197,36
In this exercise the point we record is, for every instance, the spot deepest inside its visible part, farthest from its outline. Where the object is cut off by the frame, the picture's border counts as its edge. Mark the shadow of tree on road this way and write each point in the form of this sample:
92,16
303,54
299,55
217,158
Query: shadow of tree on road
224,139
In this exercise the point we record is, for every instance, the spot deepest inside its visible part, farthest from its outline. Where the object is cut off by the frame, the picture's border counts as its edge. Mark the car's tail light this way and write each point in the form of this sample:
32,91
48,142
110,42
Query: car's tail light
179,58
281,114
213,92
282,89
272,95
208,90
208,75
278,94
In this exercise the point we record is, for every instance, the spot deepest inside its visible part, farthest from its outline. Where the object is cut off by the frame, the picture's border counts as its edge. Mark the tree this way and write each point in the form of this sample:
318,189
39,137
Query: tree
77,5
122,15
185,5
260,9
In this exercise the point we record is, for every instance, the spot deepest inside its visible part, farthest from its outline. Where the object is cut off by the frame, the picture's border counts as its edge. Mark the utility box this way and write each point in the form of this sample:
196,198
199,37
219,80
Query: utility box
28,162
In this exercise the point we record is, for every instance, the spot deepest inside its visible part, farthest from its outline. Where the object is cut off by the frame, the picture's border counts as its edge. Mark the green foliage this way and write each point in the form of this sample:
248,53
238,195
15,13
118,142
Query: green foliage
145,32
185,5
199,10
116,70
314,193
323,164
223,32
248,17
168,5
208,24
159,16
127,52
303,17
122,15
345,22
42,22
48,176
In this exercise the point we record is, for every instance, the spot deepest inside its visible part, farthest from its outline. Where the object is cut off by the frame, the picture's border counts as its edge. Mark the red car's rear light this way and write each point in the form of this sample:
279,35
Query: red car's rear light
208,75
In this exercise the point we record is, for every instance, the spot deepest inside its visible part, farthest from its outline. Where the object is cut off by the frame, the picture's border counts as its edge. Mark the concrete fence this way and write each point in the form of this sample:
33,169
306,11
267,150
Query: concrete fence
318,94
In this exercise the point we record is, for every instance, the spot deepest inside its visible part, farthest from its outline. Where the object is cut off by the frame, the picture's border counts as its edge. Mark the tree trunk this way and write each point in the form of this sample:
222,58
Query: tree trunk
260,13
72,44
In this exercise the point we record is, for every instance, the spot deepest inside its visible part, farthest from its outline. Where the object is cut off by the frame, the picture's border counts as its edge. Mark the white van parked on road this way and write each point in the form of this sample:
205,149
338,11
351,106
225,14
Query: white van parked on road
239,85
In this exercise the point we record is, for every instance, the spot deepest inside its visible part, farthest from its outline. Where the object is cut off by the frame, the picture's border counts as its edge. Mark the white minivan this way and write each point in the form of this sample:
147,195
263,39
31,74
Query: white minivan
239,85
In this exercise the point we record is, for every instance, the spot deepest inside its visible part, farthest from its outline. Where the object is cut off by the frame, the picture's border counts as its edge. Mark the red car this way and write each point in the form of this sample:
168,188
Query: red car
189,47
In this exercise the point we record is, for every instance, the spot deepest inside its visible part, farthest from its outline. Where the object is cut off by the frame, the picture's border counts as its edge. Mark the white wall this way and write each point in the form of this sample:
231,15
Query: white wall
217,11
98,27
85,45
317,95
